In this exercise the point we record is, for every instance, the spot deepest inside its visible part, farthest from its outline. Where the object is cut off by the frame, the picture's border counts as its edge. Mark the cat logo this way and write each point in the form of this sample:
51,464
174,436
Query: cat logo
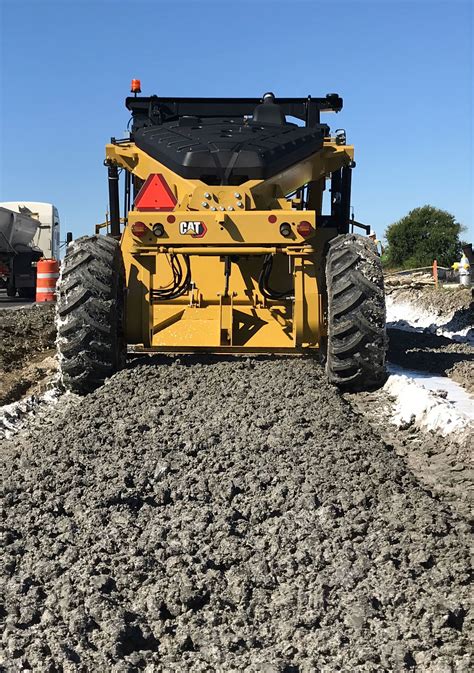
195,229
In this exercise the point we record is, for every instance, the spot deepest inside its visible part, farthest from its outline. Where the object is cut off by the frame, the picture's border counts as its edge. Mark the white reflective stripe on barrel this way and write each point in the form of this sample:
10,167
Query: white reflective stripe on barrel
49,290
47,275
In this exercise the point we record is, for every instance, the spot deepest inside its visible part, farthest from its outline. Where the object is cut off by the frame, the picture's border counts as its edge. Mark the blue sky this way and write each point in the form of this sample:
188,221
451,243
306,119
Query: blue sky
403,68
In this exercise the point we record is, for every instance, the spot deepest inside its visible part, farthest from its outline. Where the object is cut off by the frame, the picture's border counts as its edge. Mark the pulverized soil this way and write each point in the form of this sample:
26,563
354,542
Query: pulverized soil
226,515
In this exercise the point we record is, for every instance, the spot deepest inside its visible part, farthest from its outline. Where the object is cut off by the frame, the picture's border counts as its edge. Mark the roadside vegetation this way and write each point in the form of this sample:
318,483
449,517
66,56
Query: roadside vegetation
425,234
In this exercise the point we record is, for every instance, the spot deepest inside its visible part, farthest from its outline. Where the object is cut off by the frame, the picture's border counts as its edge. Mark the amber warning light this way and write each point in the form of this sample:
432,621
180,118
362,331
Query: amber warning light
136,86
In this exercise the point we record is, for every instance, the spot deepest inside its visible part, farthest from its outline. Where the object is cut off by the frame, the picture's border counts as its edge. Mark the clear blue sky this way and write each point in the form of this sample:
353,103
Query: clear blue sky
403,68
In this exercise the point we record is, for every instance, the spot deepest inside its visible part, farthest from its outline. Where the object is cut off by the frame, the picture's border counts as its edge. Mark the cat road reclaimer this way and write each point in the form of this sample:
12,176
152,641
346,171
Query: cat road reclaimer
223,246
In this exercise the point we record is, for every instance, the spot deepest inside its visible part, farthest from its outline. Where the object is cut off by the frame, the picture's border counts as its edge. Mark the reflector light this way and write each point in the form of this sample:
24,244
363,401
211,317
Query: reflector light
171,219
136,86
155,194
304,228
139,229
272,219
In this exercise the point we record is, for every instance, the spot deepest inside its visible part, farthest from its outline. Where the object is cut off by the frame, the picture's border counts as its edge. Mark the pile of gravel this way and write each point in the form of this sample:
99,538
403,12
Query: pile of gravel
225,515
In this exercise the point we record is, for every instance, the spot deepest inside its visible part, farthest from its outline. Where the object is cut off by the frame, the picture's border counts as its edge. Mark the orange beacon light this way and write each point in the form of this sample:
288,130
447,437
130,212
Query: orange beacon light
136,86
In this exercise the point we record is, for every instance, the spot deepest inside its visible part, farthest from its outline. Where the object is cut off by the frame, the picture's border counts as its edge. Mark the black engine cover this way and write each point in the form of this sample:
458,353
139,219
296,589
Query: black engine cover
227,151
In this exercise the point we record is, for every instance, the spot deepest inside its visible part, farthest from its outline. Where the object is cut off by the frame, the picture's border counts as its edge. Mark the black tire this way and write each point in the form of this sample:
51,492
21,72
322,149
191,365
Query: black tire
357,341
90,307
27,292
11,290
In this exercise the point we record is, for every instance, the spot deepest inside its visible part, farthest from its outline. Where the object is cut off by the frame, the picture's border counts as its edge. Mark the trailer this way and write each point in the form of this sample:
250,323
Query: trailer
29,230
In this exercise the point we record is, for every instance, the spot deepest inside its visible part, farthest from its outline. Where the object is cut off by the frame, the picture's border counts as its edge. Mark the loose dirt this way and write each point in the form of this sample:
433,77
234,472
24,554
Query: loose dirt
463,373
432,353
26,345
442,465
440,301
449,309
226,515
453,310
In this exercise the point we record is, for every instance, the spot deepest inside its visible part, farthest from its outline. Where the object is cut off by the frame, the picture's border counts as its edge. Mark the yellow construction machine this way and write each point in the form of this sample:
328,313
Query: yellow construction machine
222,244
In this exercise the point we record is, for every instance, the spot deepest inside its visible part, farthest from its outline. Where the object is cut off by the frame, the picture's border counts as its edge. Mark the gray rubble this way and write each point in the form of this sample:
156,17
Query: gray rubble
234,514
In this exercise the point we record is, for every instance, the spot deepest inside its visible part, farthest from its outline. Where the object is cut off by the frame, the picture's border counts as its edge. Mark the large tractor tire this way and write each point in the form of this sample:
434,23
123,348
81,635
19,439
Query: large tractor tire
90,308
357,341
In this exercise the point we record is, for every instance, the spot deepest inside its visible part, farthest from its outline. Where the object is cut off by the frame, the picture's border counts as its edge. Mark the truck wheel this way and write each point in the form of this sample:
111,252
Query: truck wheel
357,341
11,290
89,315
27,292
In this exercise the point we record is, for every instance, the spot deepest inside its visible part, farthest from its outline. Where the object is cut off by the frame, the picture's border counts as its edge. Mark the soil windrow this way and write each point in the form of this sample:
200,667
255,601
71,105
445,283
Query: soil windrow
225,515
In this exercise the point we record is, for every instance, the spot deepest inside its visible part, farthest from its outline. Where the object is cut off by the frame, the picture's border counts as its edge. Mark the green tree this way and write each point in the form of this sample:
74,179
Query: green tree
425,234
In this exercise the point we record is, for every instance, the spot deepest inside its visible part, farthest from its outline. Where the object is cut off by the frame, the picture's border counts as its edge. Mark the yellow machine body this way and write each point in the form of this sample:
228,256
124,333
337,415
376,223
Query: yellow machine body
241,226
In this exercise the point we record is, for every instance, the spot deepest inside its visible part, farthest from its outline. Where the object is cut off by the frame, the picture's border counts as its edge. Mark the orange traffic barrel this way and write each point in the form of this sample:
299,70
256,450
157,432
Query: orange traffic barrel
47,274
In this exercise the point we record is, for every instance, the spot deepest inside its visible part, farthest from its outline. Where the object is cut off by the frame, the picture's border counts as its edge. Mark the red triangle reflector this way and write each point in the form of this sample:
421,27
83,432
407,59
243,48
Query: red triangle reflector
155,194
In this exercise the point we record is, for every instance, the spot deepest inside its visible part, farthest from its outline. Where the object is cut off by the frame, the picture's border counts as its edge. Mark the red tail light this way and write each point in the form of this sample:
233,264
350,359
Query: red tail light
155,194
304,228
139,229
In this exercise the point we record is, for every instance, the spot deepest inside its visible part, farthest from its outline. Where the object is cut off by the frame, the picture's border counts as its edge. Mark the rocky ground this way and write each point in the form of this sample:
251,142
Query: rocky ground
237,514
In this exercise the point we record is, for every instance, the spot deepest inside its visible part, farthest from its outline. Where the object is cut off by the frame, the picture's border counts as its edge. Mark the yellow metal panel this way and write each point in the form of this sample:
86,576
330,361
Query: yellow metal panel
251,227
200,327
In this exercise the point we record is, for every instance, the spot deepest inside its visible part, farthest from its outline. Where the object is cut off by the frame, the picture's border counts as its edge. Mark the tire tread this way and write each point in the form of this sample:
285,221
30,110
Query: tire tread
357,339
90,313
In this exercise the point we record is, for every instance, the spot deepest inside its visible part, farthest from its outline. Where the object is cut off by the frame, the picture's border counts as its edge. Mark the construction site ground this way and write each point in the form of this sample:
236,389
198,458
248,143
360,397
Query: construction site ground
203,513
27,337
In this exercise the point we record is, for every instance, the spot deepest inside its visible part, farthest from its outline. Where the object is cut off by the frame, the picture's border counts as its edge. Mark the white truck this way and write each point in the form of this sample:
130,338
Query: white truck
29,230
